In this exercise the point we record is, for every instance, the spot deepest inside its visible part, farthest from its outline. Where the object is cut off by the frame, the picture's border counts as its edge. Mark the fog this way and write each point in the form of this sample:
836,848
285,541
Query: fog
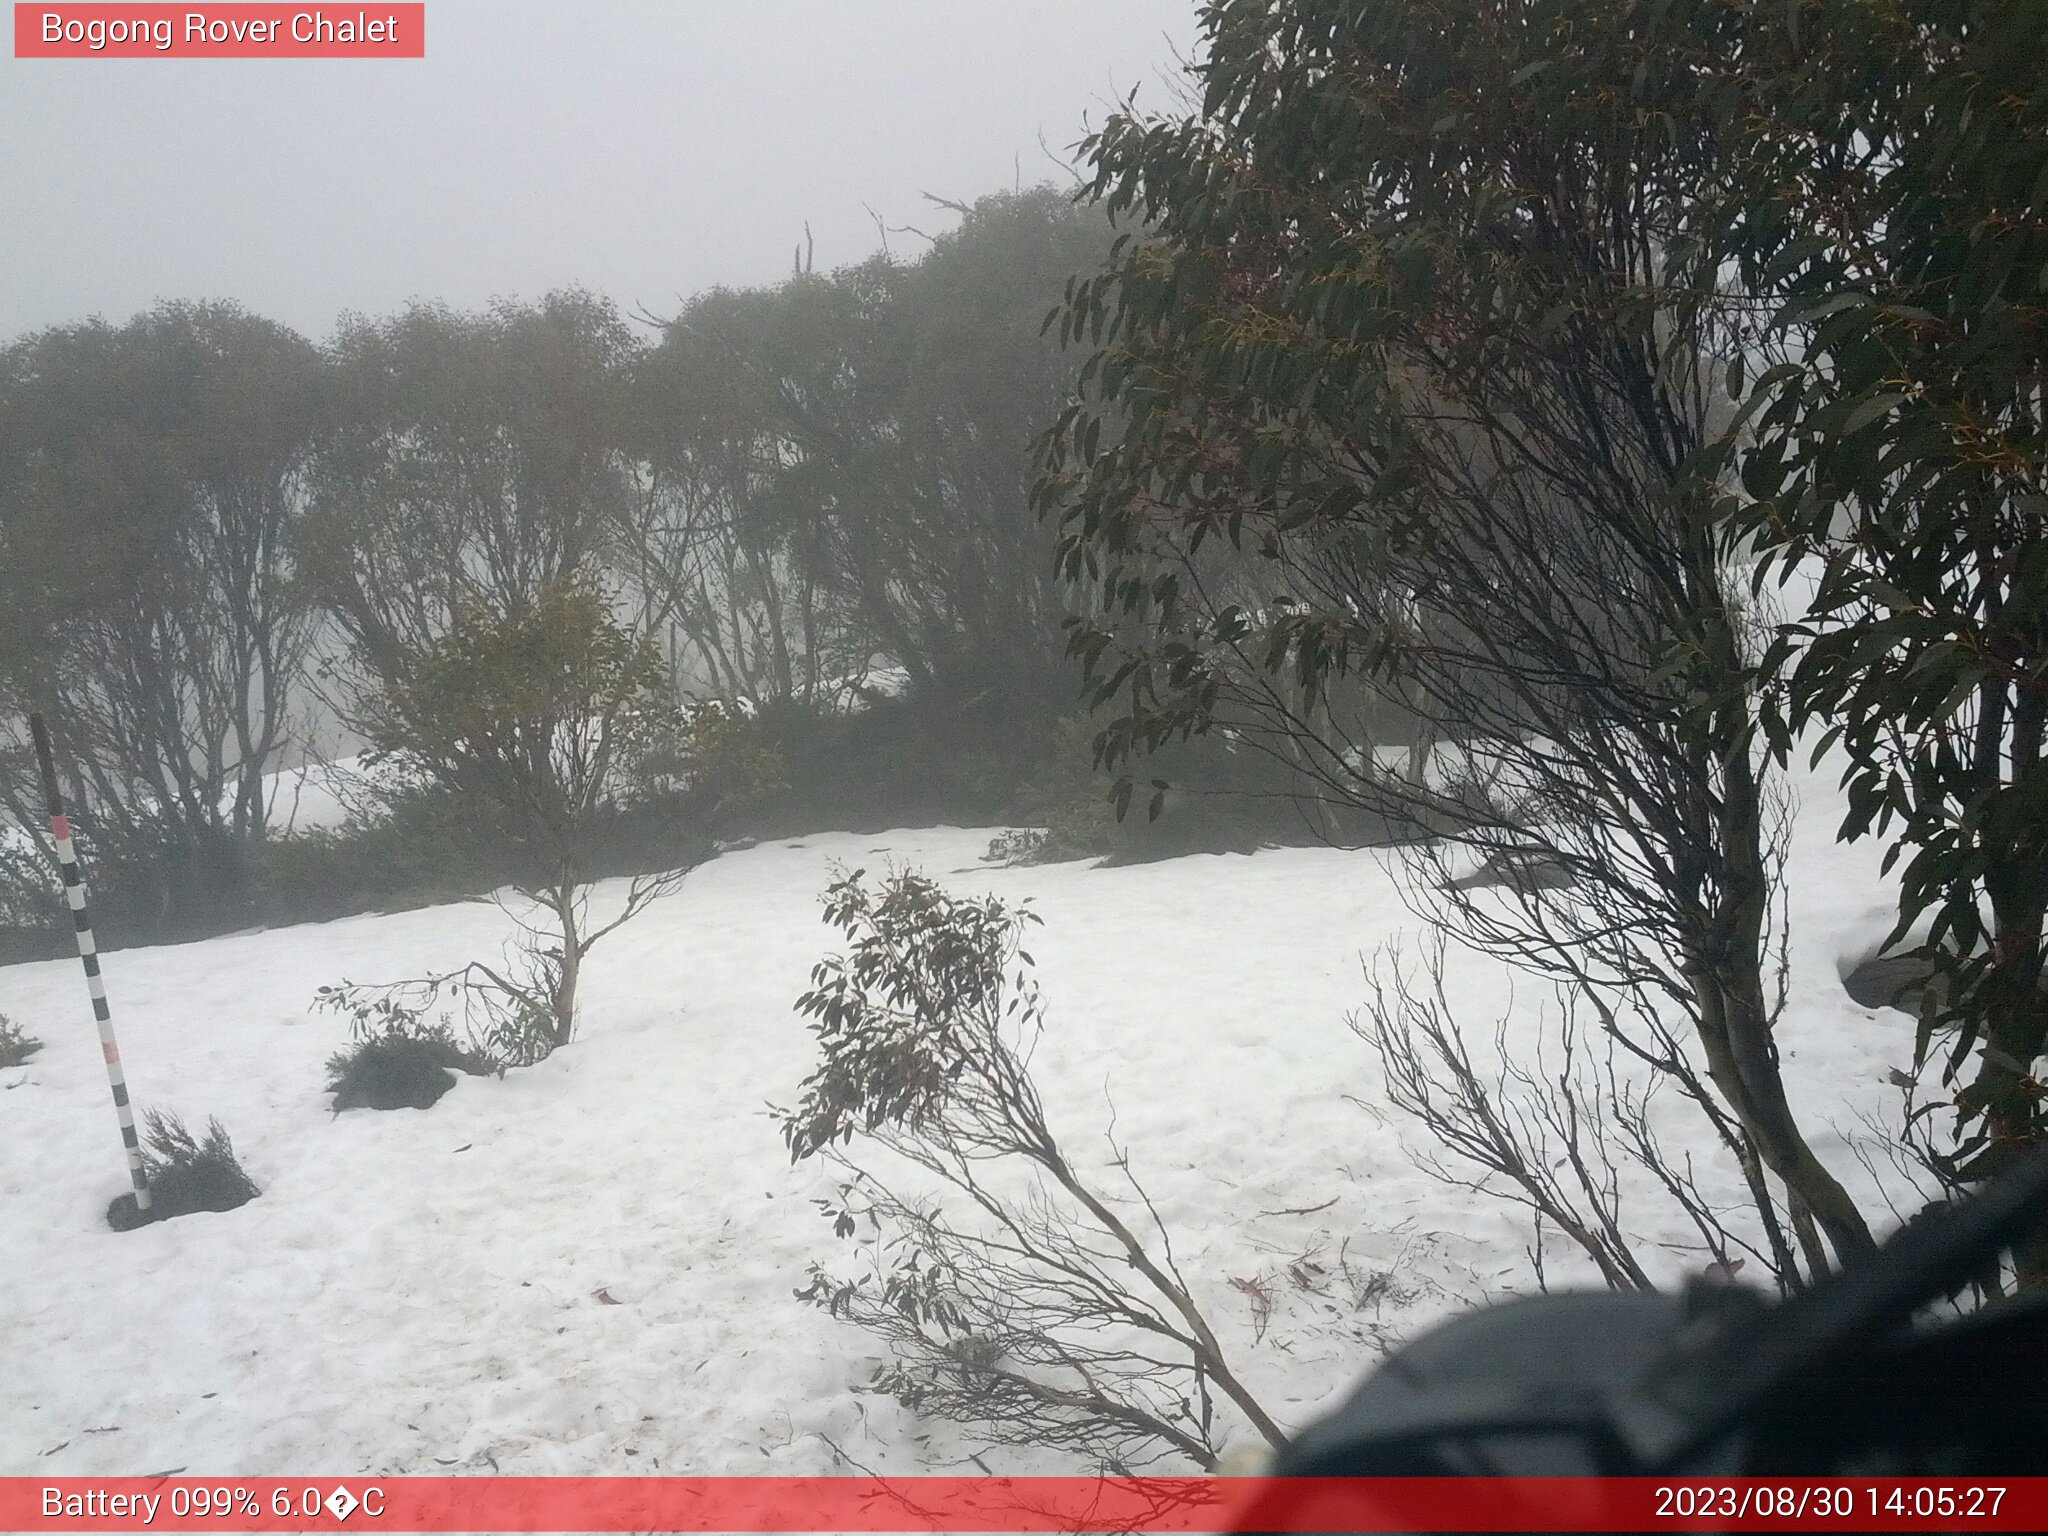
644,150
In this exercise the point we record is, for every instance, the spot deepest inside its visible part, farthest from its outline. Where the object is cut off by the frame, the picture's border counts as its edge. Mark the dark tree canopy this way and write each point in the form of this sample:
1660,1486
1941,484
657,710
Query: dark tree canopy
1402,426
1892,211
868,435
151,478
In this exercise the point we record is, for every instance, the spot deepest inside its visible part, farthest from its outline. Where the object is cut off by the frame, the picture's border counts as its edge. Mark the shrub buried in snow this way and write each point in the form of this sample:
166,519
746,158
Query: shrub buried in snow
184,1174
395,1059
16,1043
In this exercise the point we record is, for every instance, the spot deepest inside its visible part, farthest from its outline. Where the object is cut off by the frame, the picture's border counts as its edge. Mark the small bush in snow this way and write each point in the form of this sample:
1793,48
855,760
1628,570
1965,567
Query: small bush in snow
508,1011
184,1174
396,1058
16,1044
1040,1314
401,1069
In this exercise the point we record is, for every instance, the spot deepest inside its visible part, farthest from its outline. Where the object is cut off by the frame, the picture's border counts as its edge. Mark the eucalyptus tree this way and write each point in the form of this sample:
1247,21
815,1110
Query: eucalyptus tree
464,515
152,478
1890,209
852,454
726,552
542,719
1404,402
477,459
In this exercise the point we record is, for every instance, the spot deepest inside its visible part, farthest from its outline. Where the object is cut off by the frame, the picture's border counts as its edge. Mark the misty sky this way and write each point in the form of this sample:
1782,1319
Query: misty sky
645,149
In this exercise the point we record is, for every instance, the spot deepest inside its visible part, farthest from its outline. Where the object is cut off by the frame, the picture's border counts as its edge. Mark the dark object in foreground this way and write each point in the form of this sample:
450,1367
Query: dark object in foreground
1848,1378
184,1174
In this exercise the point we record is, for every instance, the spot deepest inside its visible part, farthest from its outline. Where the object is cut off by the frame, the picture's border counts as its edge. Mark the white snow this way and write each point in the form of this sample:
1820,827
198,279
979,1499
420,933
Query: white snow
420,1291
319,796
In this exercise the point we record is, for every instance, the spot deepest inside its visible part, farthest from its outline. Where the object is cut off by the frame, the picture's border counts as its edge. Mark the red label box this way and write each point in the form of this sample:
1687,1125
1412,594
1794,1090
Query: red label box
370,30
1165,1506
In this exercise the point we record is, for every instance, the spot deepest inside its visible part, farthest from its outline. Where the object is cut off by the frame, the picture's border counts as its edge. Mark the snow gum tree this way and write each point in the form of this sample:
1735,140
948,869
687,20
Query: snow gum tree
842,471
460,510
151,478
540,718
1888,210
475,460
1404,406
1019,1292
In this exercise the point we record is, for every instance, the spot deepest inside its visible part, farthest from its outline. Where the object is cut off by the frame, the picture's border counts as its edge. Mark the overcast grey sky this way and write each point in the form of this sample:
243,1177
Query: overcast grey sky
645,149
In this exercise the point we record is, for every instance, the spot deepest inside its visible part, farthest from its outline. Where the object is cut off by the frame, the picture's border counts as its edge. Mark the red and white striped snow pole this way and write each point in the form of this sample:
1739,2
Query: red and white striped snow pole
88,953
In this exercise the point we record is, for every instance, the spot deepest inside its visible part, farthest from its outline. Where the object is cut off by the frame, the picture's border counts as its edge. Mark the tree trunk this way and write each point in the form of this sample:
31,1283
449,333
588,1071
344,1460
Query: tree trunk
2005,1089
564,1001
1728,950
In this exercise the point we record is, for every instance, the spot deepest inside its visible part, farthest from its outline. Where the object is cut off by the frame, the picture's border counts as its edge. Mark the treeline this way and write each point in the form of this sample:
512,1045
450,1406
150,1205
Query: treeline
813,498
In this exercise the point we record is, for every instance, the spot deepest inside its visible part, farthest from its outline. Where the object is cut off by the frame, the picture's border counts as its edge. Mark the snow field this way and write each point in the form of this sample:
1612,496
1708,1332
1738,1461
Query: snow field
587,1266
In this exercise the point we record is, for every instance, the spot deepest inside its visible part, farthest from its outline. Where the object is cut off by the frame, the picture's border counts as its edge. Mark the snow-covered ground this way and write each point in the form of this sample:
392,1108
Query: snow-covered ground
319,796
587,1266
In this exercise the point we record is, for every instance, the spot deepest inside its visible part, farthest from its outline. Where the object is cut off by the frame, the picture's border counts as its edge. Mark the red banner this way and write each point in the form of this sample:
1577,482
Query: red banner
101,31
1077,1504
